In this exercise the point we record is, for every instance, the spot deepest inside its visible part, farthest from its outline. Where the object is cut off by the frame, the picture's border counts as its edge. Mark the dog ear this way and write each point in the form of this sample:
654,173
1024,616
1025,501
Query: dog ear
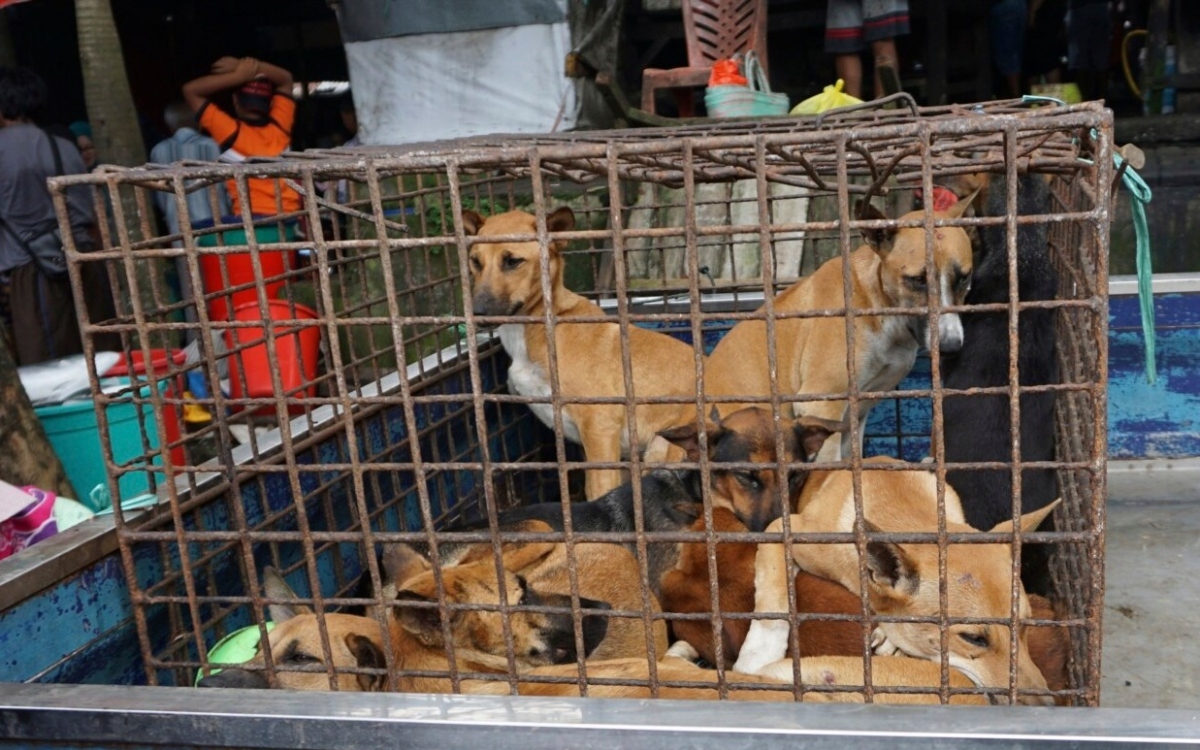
812,432
891,572
958,209
561,219
368,656
880,240
276,588
472,222
518,557
687,437
402,562
423,622
1029,521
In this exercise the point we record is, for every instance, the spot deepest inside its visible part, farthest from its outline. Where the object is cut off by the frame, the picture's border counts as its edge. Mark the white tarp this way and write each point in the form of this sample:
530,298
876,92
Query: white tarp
429,87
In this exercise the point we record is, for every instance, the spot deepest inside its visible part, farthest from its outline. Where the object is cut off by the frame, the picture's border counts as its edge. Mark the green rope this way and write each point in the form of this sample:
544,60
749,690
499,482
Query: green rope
1139,194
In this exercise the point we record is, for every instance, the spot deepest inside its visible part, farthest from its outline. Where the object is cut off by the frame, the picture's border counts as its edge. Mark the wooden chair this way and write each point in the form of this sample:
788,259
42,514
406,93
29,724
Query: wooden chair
714,29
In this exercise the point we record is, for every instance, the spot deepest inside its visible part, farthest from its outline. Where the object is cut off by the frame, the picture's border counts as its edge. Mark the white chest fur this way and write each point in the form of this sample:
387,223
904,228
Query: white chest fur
528,378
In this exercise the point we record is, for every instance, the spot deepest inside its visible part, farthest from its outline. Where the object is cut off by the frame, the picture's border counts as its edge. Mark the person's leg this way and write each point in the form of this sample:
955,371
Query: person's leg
887,67
1006,33
844,40
849,69
883,21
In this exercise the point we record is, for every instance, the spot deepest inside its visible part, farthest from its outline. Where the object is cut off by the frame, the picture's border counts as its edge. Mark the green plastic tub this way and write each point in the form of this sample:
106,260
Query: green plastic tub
75,436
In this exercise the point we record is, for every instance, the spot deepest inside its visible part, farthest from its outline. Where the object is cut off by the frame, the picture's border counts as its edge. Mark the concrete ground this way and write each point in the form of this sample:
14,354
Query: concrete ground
1152,586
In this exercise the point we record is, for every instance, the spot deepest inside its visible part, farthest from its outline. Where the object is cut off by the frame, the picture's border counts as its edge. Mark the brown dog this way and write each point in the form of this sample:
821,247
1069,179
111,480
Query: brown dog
607,574
888,271
506,279
298,652
686,590
903,578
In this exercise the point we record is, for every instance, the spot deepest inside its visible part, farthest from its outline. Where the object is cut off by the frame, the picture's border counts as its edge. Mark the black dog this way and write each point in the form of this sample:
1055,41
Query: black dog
977,428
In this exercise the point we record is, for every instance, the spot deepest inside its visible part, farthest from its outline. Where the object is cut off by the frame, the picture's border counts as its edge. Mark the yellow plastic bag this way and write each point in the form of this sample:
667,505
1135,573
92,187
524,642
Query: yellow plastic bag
831,98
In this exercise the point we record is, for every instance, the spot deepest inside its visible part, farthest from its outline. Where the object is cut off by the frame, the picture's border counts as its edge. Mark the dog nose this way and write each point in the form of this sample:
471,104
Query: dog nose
950,334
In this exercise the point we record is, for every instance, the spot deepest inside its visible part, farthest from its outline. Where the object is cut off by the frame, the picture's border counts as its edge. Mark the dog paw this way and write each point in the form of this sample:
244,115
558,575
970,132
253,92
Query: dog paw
881,646
927,460
683,650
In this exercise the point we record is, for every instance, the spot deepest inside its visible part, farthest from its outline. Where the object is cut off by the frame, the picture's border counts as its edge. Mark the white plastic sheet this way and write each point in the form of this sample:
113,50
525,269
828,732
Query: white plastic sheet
430,87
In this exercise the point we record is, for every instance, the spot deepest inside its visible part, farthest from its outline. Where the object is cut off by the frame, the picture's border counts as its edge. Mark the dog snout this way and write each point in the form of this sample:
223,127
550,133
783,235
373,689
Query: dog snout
235,678
486,303
950,334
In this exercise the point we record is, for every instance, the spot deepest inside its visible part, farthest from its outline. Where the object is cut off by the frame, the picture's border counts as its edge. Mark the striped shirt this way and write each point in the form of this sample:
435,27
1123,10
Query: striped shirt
189,145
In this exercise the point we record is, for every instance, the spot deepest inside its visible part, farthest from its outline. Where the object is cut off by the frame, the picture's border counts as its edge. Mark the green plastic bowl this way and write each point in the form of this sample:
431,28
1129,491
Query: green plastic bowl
238,647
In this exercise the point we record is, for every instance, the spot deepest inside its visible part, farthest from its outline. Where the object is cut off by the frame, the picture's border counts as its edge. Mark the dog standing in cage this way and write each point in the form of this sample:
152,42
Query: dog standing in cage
978,428
506,280
888,271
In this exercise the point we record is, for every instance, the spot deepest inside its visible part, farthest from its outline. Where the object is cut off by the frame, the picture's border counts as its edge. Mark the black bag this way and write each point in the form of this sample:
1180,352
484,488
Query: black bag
45,249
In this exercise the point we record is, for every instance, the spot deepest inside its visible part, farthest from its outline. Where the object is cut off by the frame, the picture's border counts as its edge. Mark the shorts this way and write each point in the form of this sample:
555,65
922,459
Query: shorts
1006,32
1089,32
851,24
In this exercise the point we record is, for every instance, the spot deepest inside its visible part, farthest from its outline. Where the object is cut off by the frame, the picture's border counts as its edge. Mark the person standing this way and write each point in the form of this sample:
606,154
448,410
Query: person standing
186,143
261,125
850,26
37,305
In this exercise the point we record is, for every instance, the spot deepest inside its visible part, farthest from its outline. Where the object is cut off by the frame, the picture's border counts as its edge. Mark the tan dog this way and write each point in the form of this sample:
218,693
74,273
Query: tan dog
298,653
686,589
888,271
506,279
903,578
606,573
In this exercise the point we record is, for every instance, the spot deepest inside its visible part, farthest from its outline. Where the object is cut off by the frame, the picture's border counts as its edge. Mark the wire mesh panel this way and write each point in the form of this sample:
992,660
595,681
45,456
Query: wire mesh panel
404,397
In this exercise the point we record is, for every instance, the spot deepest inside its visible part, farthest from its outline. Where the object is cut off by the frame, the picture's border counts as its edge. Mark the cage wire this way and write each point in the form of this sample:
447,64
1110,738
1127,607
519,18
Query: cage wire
355,400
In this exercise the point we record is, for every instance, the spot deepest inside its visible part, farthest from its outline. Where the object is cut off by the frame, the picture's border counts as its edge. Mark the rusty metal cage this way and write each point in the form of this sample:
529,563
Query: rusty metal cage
357,401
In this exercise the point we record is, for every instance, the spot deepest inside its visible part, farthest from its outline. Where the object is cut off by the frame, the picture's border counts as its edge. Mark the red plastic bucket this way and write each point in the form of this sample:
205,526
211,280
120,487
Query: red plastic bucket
134,363
240,270
296,349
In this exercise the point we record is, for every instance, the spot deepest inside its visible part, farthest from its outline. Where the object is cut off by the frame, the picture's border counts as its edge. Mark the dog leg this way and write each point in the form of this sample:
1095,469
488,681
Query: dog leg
881,646
767,640
601,444
683,650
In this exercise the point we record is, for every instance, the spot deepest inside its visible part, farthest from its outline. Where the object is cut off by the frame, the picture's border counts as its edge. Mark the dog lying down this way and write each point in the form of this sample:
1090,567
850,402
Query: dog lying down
902,578
686,590
357,663
357,658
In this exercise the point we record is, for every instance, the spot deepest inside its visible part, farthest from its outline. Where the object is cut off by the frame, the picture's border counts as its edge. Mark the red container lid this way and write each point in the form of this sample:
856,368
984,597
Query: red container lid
135,362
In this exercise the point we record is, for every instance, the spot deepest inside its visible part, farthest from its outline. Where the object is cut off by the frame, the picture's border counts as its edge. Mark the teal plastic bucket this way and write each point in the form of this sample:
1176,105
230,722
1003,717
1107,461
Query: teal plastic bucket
75,436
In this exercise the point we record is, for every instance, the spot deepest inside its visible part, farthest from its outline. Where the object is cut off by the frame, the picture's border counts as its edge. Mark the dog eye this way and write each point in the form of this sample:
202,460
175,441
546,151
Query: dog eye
476,263
749,479
979,640
301,658
916,282
524,586
964,282
512,261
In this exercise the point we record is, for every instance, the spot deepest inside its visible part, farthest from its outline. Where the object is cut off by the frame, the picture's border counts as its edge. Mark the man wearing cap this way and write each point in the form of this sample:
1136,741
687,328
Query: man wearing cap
260,126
